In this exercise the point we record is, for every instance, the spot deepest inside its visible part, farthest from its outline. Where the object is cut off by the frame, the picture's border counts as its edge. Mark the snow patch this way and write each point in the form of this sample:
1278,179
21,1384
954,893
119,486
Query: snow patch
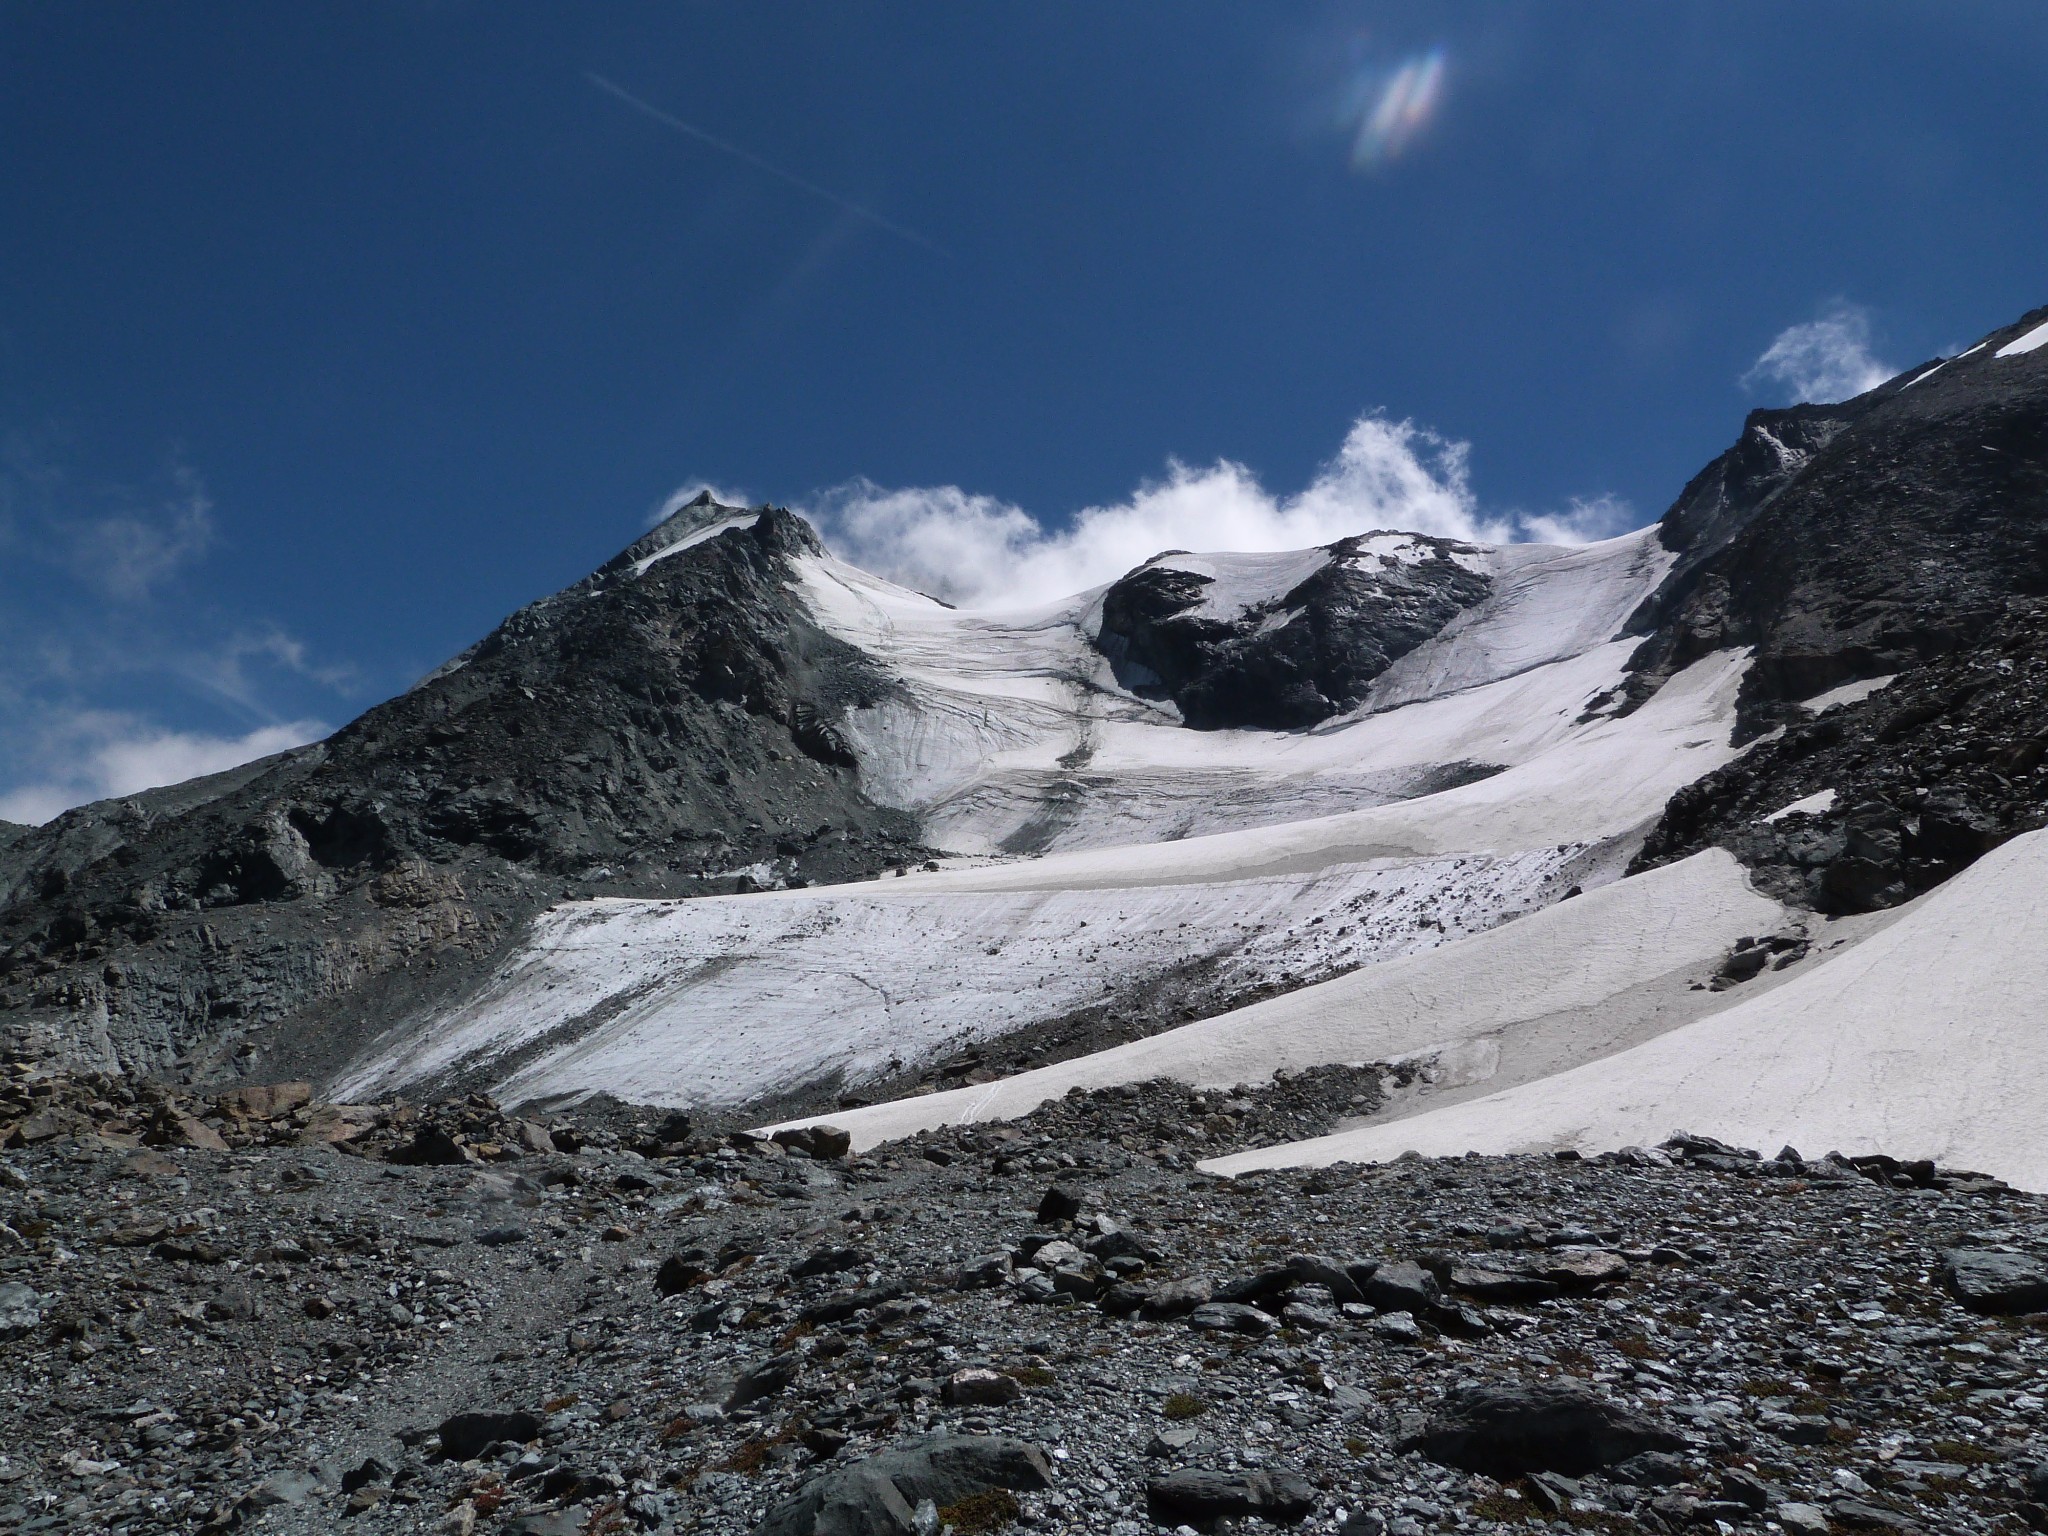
1848,693
1812,805
1559,986
692,539
1921,1040
2032,340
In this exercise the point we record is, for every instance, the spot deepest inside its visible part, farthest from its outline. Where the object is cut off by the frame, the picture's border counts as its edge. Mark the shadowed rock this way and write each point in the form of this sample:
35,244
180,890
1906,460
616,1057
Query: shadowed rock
1561,1426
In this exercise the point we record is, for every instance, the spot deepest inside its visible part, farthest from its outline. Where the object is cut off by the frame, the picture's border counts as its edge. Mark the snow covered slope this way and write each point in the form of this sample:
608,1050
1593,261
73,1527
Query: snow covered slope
1928,1038
1225,863
1011,734
1578,980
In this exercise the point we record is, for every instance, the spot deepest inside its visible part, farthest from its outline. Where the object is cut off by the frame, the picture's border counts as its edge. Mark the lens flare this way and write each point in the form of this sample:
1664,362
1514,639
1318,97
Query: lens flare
1387,110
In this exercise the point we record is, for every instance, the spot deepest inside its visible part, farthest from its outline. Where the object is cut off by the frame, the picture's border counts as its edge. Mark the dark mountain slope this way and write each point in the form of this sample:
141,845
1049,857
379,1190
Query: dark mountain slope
657,729
1291,661
1890,529
1904,536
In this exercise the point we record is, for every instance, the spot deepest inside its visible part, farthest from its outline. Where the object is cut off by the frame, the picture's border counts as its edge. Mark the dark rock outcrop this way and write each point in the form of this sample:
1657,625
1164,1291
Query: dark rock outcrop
1201,1497
1294,658
1558,1426
1927,775
1902,535
1857,540
1985,1280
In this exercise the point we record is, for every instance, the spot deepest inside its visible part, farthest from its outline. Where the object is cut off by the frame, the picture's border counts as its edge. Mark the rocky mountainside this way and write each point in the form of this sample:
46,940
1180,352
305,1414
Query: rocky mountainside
1898,540
661,728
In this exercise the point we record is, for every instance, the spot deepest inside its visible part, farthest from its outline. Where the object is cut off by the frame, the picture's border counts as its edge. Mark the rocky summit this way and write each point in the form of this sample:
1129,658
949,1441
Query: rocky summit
1275,1039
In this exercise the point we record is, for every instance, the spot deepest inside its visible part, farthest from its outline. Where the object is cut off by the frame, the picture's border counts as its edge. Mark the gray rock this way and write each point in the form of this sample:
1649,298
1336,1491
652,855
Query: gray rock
1175,1298
1649,1469
1178,1440
1398,1328
1402,1287
1231,1317
20,1309
823,1142
979,1387
1308,1318
1985,1281
978,1274
1561,1426
768,1379
879,1495
1197,1495
1802,1519
1499,1286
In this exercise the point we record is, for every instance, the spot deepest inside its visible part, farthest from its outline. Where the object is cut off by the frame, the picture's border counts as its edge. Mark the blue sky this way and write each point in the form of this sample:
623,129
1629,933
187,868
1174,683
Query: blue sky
331,333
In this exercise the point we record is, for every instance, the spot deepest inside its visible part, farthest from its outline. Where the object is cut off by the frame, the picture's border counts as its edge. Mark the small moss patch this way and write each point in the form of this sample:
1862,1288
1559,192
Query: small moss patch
1184,1405
990,1510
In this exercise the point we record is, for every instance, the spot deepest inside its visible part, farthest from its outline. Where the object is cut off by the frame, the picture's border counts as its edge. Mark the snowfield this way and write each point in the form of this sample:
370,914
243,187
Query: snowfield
1927,1038
1578,980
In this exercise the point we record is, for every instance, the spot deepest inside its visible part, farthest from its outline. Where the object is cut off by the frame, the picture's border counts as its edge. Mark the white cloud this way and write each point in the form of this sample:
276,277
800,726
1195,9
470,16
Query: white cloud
130,552
1823,360
102,754
1586,519
980,552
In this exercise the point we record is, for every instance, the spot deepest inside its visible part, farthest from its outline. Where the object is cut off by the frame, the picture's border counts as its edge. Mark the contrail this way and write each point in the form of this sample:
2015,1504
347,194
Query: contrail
759,164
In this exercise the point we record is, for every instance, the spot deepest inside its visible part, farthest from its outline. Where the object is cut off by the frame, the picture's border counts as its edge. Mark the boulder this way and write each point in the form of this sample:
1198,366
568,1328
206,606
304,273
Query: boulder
1231,1317
466,1436
879,1496
1581,1269
20,1309
1198,1496
1402,1287
1175,1298
1561,1426
979,1387
1500,1287
1985,1281
823,1142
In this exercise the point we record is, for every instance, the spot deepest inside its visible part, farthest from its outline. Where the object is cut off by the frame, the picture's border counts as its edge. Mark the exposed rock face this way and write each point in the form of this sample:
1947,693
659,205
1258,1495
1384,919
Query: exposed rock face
660,728
1926,774
1287,660
1859,540
1901,535
880,1496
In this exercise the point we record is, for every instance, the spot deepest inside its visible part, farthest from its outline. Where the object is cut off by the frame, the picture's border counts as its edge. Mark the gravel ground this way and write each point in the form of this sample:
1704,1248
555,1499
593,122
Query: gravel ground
278,1337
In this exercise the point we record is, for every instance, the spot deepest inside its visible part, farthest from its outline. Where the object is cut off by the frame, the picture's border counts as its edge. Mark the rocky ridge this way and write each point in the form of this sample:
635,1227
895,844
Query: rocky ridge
661,728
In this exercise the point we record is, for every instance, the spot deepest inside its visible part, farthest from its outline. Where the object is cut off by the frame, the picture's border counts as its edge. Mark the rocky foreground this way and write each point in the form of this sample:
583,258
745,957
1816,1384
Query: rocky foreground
229,1314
